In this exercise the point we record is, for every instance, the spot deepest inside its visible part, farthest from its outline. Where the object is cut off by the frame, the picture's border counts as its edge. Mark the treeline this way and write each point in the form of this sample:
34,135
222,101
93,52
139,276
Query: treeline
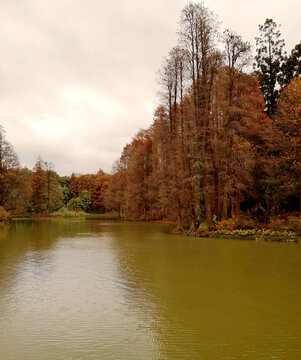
41,190
223,140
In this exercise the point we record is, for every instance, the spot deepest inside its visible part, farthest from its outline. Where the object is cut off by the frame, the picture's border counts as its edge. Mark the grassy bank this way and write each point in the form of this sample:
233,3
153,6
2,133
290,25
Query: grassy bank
244,227
250,234
69,213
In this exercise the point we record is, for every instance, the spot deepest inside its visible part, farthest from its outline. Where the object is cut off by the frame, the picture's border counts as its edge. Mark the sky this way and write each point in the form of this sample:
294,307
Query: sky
78,77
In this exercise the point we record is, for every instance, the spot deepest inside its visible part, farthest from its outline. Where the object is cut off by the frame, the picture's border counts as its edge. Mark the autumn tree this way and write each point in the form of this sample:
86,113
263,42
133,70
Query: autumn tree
95,184
9,163
39,186
137,176
19,198
288,120
210,145
114,196
198,36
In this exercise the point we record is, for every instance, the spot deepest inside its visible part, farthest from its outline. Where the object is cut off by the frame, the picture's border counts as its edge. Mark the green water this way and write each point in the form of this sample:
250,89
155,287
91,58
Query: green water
105,289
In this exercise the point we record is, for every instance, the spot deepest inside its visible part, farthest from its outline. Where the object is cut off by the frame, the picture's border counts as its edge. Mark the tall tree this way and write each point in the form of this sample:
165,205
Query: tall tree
198,36
289,122
269,60
39,187
9,163
291,66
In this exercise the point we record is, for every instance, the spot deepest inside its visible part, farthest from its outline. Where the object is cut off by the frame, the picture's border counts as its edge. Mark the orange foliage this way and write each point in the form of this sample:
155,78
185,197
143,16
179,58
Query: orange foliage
96,184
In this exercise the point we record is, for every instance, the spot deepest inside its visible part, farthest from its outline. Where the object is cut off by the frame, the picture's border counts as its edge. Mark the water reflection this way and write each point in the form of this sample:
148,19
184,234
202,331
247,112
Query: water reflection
94,289
213,298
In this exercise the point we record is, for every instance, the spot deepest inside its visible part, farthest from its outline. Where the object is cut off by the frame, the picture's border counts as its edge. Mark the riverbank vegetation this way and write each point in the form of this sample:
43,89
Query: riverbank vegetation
222,155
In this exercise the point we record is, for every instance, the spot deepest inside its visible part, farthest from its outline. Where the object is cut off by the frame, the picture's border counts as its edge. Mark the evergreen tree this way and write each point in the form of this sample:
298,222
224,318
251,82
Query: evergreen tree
291,66
269,60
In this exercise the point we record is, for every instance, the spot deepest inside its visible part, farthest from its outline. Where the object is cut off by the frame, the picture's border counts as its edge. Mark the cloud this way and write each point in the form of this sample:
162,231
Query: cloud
77,78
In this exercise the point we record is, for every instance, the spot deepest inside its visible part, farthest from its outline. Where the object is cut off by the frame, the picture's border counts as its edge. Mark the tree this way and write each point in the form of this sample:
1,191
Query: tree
39,187
65,185
85,198
54,190
291,66
9,164
19,197
198,34
76,204
288,120
269,60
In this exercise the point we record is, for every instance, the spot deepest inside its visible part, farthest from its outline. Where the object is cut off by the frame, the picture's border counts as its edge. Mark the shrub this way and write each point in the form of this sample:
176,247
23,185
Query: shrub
295,224
4,215
227,225
277,224
245,222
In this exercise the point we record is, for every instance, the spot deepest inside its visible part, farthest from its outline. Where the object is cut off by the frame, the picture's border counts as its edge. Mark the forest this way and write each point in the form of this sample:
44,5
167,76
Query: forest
41,191
225,141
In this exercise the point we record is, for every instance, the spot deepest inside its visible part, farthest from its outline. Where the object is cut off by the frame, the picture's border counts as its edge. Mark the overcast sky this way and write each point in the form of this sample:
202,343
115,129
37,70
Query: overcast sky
78,77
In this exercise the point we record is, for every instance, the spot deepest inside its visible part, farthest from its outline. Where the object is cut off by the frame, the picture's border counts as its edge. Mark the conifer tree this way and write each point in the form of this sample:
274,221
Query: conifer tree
269,60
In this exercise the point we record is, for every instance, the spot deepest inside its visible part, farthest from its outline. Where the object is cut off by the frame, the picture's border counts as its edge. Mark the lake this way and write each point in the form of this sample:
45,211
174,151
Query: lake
109,289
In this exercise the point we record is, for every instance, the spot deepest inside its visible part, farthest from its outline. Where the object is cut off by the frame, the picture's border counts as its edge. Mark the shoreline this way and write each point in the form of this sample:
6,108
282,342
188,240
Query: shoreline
289,238
253,238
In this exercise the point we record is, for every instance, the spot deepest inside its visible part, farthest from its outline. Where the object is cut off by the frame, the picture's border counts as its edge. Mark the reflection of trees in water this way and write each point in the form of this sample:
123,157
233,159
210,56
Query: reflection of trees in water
152,276
33,237
195,293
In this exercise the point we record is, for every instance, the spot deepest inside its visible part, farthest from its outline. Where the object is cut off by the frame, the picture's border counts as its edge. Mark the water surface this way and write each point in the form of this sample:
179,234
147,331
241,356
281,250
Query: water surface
105,289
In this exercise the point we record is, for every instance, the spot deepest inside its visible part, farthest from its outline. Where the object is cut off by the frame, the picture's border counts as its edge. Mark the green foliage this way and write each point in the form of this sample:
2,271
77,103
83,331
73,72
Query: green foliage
237,232
68,213
30,208
256,233
64,182
67,194
291,66
269,60
85,198
76,204
271,233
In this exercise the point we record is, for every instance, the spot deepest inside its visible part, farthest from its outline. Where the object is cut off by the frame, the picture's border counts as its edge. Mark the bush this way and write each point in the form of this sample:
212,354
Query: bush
277,224
294,223
280,234
237,232
227,224
245,222
4,215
